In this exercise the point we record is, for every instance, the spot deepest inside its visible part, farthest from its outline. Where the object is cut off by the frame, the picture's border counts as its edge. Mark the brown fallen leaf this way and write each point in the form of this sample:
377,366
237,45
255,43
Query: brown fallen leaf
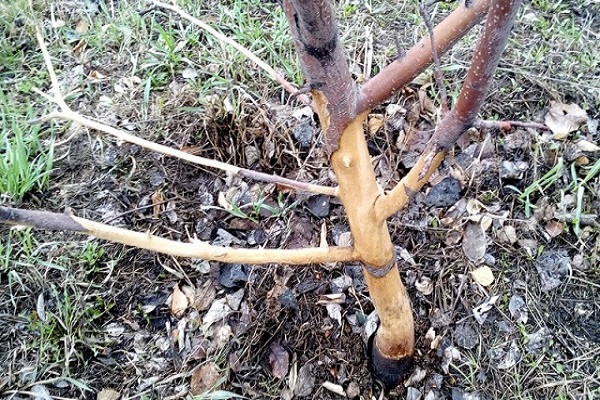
279,360
205,295
563,119
375,123
204,379
483,275
554,228
179,302
108,394
157,201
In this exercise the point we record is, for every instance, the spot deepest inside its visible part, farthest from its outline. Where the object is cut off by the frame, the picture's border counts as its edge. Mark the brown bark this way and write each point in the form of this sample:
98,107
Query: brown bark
487,54
400,72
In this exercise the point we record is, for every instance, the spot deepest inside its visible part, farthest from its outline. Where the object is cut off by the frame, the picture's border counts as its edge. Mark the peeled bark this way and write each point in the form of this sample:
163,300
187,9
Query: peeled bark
342,115
342,110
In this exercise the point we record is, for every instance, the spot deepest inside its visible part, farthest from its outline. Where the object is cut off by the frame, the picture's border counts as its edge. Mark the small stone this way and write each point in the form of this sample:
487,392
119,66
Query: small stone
489,260
232,275
319,205
288,300
157,179
304,132
444,194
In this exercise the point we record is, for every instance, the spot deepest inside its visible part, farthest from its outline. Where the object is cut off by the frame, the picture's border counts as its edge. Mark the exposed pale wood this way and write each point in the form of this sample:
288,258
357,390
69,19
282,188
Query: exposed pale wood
194,249
486,57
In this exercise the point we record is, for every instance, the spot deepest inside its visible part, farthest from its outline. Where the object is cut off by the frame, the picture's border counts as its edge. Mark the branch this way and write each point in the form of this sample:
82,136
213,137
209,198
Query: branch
314,27
70,115
195,249
403,70
486,57
437,67
251,56
508,125
67,114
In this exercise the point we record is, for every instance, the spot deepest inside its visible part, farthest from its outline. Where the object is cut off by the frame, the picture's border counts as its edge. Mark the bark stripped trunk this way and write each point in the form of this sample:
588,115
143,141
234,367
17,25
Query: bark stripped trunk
323,60
342,110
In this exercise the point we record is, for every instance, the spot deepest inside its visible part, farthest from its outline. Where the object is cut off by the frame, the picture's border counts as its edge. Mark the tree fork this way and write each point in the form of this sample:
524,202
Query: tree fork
323,60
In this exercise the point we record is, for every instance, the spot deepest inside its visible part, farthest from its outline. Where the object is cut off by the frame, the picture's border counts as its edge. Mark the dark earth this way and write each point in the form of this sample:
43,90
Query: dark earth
276,331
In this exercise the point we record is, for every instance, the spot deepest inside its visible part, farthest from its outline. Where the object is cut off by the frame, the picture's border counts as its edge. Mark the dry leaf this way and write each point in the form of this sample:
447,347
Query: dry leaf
563,119
483,275
554,228
323,240
179,302
82,26
96,75
585,145
223,203
204,379
337,389
424,285
279,360
335,312
218,311
205,295
375,123
508,234
108,394
157,201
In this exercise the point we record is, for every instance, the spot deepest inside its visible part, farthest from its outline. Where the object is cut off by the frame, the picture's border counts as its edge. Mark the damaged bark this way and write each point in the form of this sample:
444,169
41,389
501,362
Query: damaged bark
342,109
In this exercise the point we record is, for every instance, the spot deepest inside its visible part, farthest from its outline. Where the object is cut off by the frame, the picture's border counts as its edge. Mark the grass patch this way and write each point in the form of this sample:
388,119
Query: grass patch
25,161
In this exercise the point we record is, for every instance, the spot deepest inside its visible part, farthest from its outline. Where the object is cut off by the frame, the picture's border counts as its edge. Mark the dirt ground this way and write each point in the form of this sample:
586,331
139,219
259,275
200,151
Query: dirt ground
82,318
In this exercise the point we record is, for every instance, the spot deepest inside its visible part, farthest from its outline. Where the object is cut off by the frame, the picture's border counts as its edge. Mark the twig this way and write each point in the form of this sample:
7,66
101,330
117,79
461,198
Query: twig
437,67
251,56
70,115
194,249
67,114
58,98
507,125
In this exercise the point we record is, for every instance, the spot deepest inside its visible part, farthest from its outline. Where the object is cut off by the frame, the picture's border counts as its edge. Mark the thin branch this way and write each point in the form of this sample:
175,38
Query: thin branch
401,71
205,162
194,249
486,57
58,98
508,125
67,114
251,56
437,67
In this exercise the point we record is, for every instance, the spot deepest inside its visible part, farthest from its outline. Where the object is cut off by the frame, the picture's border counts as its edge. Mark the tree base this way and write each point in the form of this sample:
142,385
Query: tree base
390,372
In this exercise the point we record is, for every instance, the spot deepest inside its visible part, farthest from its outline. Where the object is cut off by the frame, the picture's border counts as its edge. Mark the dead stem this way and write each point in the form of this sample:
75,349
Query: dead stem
437,67
251,56
67,114
507,125
194,249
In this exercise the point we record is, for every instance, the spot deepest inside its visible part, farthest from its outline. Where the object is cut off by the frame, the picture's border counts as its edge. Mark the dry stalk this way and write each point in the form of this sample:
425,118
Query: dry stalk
276,76
194,249
66,113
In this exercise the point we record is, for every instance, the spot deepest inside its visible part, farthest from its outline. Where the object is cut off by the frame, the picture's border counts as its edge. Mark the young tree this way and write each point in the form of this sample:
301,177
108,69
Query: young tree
342,107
